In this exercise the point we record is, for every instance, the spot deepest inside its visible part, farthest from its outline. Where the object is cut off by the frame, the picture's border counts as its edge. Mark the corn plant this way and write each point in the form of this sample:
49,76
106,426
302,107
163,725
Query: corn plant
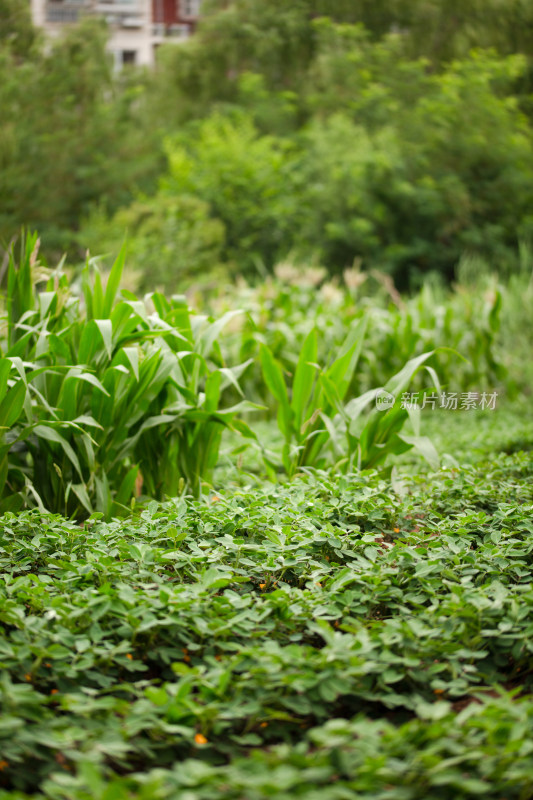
304,414
119,398
370,440
466,321
313,417
20,428
12,397
283,310
187,421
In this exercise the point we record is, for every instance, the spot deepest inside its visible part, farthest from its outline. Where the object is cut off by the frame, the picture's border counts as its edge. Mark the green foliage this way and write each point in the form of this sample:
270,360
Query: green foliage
282,42
517,310
335,636
404,170
427,184
468,321
247,181
16,30
182,445
388,132
120,400
473,321
72,135
309,130
359,630
90,384
273,39
171,240
316,416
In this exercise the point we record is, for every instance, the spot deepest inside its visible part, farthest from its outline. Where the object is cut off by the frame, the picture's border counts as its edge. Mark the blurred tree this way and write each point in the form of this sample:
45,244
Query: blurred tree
171,240
72,135
401,167
249,182
344,127
281,42
16,29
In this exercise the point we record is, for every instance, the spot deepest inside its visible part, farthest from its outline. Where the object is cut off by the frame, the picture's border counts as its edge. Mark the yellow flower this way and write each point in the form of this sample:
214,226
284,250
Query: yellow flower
200,739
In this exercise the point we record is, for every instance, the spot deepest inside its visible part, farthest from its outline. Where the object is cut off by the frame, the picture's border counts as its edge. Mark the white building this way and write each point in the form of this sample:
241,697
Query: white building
137,27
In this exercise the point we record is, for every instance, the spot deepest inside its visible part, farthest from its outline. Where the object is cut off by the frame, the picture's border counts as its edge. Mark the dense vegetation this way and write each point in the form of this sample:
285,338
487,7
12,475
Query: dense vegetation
106,398
331,629
270,537
398,134
333,637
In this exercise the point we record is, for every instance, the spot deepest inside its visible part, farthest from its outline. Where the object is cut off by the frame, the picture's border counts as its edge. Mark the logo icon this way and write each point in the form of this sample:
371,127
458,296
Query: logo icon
384,400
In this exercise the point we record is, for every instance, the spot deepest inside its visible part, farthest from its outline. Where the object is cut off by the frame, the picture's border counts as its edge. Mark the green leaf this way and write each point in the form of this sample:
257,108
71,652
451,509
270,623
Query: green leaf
211,334
132,354
113,282
273,376
212,391
5,370
51,435
81,493
341,371
88,377
304,378
425,447
12,405
105,328
127,487
399,382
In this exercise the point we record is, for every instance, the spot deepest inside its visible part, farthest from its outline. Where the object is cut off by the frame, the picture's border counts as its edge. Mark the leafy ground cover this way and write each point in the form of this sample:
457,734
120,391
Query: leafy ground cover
339,637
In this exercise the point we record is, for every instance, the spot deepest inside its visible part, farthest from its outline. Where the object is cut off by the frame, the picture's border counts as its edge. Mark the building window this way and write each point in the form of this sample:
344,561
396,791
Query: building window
129,57
57,12
190,8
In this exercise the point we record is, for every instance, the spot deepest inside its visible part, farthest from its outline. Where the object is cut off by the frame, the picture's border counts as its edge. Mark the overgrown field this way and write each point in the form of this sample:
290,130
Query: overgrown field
271,538
108,399
228,572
